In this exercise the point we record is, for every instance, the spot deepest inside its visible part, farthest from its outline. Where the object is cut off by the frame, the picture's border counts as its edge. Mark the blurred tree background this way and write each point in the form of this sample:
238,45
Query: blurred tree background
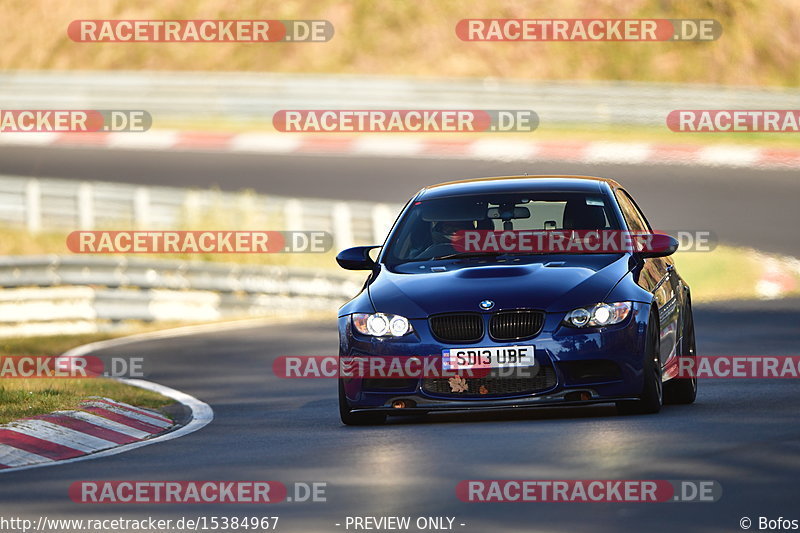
412,38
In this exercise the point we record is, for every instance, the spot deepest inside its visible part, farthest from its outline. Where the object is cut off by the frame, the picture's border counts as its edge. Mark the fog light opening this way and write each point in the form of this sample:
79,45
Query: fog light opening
578,396
402,404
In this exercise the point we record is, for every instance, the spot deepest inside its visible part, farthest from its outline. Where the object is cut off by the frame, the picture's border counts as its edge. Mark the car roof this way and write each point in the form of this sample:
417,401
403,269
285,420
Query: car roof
511,184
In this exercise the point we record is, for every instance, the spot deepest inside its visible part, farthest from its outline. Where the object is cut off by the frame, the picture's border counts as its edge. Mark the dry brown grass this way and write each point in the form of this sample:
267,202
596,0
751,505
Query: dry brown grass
407,37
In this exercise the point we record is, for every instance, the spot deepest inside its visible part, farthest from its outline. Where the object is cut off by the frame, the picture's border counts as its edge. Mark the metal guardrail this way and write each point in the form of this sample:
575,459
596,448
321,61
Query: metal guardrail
47,295
38,204
200,96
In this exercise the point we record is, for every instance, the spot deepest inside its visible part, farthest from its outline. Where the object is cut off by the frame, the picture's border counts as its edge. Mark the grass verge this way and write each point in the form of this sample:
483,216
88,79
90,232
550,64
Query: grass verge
730,273
23,397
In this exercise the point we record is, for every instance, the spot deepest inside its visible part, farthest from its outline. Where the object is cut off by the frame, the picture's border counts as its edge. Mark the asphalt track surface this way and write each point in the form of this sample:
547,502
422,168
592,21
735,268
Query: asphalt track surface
757,208
743,434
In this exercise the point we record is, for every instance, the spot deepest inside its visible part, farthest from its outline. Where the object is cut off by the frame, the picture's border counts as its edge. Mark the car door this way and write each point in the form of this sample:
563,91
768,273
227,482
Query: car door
657,277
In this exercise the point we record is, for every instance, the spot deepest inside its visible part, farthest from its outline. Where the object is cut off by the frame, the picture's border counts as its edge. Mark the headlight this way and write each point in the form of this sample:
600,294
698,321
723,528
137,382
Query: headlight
598,315
381,324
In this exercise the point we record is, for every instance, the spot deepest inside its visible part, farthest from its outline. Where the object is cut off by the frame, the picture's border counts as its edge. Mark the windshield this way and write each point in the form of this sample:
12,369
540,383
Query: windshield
430,229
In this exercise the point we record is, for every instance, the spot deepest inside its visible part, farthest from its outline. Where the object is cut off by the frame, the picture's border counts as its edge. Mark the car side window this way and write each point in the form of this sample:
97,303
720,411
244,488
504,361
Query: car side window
633,216
638,211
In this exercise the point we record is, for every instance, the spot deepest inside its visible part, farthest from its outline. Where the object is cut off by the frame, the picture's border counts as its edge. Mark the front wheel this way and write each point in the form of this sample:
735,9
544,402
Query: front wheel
350,418
652,397
684,390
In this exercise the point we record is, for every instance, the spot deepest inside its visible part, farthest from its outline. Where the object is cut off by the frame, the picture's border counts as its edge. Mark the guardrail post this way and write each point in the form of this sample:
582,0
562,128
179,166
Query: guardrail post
85,206
247,209
141,208
33,206
293,215
191,207
342,226
381,222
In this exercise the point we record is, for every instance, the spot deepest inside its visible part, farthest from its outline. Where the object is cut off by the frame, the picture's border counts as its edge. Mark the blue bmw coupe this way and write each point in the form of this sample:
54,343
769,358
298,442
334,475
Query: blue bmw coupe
514,322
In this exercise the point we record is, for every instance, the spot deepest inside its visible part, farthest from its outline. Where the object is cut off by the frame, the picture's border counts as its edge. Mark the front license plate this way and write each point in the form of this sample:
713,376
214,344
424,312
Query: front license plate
490,357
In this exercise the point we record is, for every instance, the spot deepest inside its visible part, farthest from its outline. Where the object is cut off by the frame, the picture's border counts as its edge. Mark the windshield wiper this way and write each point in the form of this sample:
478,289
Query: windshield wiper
467,255
454,256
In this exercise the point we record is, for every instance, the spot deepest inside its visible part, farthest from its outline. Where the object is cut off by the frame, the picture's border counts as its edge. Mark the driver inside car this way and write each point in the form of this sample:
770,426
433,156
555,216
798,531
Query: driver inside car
445,234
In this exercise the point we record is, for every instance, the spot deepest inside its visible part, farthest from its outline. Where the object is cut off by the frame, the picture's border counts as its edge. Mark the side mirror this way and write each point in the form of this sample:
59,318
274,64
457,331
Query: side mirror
658,245
356,258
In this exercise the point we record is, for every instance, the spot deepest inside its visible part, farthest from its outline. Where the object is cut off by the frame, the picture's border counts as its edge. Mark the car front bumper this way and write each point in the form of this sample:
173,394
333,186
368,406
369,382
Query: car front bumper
593,365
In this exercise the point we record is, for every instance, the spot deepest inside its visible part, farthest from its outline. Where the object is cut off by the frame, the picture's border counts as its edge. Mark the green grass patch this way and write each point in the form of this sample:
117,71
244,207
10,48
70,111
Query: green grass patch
726,273
23,397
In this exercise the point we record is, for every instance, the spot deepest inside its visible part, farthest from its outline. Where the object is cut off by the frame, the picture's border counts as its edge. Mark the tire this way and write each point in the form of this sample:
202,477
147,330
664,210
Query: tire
356,419
681,391
652,397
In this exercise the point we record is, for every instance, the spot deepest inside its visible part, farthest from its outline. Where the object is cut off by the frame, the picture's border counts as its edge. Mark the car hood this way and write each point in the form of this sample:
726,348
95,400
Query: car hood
553,284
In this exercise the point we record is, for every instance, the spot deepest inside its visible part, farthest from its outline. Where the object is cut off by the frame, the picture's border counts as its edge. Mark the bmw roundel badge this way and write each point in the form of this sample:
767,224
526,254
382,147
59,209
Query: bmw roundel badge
486,305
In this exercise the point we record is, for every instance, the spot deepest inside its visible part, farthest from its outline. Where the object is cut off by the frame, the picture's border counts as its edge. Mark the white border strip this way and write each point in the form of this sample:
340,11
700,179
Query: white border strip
63,436
133,415
491,149
202,414
12,455
104,423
